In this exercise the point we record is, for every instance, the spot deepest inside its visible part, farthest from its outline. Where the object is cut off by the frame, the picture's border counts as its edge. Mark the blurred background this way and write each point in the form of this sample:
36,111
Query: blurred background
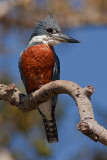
22,135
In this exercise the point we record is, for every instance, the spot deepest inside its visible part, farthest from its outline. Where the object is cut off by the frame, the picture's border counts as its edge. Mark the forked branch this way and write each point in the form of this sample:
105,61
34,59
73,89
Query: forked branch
87,125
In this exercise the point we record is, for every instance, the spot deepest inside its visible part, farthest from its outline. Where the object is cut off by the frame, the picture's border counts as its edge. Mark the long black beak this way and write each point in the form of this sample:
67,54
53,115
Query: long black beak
64,38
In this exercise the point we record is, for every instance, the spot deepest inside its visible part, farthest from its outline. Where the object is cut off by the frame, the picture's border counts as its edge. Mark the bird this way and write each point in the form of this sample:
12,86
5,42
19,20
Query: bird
39,65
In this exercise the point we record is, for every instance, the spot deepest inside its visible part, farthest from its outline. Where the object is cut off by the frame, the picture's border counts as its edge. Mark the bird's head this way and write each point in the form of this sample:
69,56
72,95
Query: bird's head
48,32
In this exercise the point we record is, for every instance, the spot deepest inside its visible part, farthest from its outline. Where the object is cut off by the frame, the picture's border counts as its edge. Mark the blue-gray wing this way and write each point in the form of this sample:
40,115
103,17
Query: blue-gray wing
56,76
56,69
21,73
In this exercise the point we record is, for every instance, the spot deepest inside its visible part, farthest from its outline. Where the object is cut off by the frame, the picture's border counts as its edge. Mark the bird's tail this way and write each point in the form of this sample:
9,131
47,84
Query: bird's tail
47,110
51,130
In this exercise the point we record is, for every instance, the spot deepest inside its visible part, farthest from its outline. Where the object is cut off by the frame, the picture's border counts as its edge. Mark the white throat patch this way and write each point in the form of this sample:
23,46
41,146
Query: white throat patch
44,39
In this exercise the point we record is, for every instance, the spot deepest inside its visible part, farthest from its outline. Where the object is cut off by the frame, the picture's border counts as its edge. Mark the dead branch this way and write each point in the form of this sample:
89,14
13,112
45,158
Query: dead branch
87,125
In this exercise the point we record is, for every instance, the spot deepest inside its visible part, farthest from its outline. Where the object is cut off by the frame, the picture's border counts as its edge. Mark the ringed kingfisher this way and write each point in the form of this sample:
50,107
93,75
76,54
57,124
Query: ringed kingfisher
39,64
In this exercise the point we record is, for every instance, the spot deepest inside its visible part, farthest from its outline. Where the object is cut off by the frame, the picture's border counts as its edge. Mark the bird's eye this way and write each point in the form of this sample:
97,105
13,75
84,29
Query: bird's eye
50,30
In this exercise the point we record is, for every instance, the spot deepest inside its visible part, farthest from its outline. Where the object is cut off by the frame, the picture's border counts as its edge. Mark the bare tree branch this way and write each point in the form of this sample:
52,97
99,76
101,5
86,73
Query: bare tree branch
87,125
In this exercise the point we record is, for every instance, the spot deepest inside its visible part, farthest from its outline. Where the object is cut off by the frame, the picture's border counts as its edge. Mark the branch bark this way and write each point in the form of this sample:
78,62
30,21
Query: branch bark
87,125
